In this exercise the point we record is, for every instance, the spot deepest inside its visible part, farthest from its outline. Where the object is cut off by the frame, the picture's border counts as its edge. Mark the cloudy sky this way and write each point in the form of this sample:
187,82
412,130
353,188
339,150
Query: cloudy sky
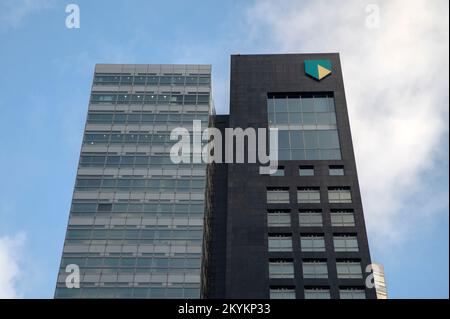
395,63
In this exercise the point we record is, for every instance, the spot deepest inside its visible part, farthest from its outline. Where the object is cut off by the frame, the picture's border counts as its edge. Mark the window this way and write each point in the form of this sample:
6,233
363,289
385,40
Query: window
280,242
345,243
336,170
339,195
310,218
84,207
278,218
278,195
281,269
104,207
282,293
315,269
317,293
352,293
349,269
308,195
342,218
308,144
307,125
314,243
306,171
279,172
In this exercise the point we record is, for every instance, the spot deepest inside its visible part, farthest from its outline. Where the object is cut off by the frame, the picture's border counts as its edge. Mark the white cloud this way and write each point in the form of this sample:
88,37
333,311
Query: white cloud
396,81
14,12
10,255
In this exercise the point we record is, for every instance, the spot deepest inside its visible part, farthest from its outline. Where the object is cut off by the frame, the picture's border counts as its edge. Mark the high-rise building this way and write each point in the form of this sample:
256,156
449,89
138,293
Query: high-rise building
298,233
142,226
136,220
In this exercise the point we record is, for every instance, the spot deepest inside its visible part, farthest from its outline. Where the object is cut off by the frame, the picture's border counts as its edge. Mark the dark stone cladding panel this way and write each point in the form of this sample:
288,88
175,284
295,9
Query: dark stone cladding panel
246,254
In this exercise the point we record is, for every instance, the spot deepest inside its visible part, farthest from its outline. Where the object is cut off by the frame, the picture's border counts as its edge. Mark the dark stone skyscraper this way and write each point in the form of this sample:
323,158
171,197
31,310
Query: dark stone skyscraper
300,232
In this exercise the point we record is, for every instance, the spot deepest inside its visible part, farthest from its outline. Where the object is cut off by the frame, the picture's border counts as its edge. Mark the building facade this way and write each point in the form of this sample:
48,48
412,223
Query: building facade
136,221
141,226
298,233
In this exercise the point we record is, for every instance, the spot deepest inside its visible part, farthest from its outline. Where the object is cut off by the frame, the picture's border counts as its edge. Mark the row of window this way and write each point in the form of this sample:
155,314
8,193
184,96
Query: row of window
317,293
308,139
138,183
111,79
132,138
311,218
136,118
315,269
152,233
328,119
127,292
137,207
301,103
141,98
308,170
131,160
311,195
127,262
313,243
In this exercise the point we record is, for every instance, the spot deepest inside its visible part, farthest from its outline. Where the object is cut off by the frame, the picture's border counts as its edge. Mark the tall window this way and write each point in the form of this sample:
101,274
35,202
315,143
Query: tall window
280,242
281,268
345,243
282,293
317,293
315,269
339,195
307,125
278,218
308,195
278,195
349,269
313,242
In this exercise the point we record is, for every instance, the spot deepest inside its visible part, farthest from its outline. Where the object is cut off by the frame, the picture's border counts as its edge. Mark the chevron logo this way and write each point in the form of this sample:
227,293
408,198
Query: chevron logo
318,69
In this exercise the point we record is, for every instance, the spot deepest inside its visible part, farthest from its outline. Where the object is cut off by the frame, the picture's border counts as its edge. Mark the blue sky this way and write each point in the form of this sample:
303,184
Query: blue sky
396,78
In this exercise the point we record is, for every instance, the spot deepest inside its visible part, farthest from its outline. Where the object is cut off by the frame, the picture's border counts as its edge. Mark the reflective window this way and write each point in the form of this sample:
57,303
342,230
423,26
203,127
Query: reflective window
277,195
310,218
307,126
345,243
339,195
342,218
352,293
306,171
280,242
312,242
281,268
282,293
349,269
317,293
308,195
278,218
315,269
336,170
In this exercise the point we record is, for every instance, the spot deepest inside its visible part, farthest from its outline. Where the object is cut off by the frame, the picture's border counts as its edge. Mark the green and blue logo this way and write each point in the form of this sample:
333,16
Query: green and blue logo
318,69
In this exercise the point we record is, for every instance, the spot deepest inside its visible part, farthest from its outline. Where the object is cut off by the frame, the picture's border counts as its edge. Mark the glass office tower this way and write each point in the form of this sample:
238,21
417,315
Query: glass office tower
136,221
